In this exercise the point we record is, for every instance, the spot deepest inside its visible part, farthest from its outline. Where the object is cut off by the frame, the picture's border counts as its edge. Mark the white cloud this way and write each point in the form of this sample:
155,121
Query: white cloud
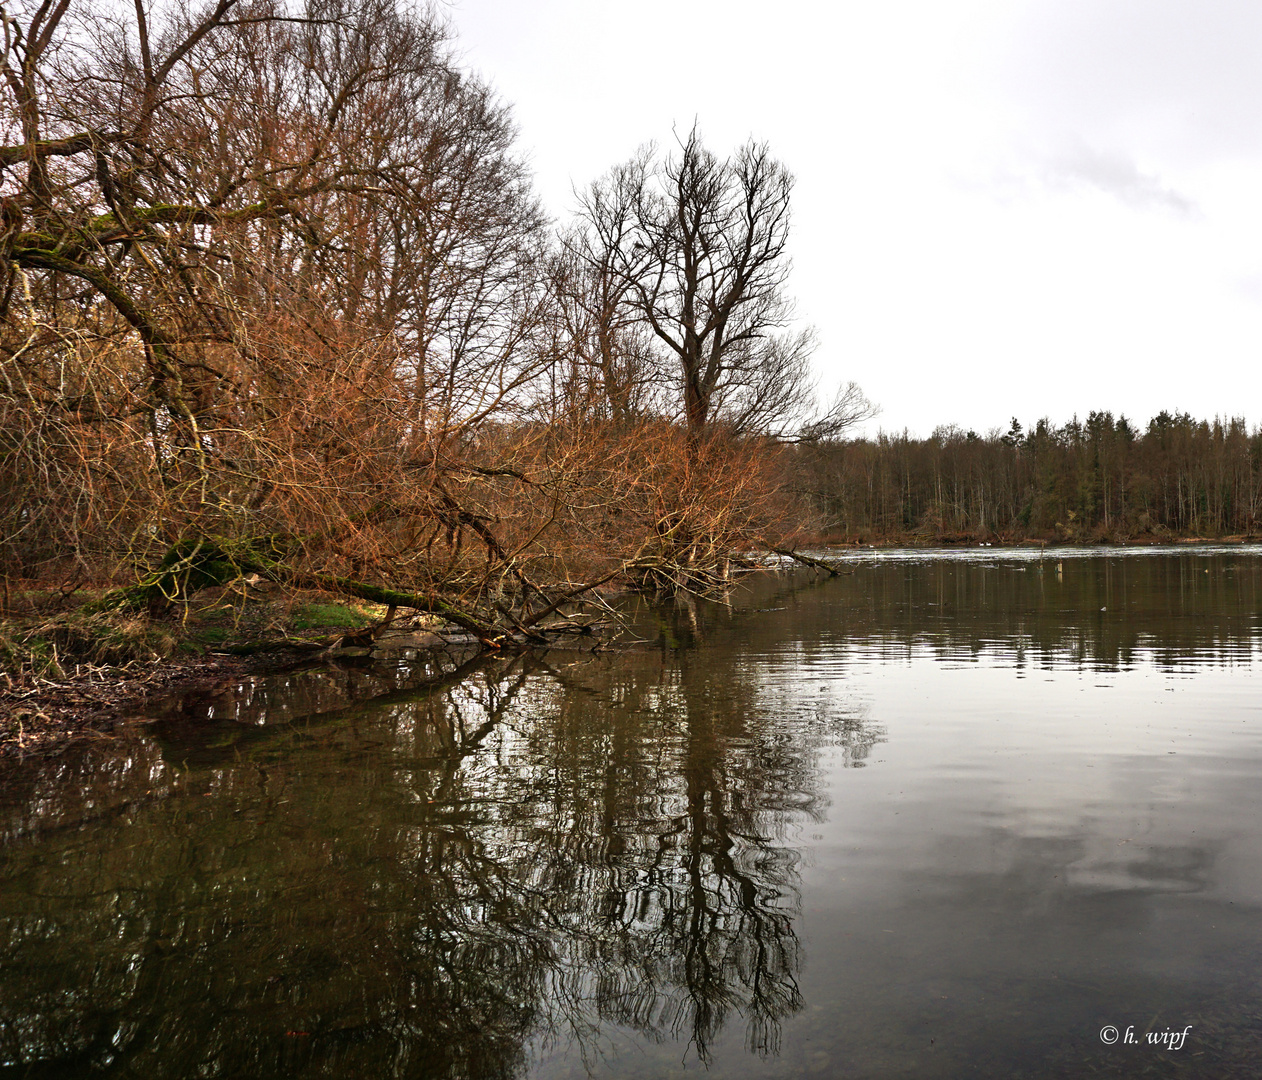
1076,166
1115,174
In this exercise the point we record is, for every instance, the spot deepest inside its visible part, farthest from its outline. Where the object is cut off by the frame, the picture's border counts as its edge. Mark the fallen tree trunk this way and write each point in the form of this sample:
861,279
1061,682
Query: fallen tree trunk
194,563
377,594
830,566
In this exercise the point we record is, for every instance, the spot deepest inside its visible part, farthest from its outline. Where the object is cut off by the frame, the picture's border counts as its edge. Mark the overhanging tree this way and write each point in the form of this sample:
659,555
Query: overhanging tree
273,268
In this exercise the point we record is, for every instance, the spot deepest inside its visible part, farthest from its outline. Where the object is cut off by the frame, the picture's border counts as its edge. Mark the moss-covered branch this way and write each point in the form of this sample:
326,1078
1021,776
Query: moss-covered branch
377,594
45,148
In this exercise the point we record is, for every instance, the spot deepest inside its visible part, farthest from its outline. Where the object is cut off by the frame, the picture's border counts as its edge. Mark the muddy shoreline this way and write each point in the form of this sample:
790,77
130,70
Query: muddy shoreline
50,717
42,717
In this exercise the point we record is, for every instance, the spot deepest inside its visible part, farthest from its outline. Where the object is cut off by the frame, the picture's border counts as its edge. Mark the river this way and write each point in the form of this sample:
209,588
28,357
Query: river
989,813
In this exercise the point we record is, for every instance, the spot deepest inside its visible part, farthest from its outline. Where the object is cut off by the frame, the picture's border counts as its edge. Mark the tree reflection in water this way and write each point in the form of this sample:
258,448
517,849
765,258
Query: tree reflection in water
420,885
441,880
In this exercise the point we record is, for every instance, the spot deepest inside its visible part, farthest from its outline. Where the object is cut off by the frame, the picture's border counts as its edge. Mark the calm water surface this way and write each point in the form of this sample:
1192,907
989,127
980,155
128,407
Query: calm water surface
948,815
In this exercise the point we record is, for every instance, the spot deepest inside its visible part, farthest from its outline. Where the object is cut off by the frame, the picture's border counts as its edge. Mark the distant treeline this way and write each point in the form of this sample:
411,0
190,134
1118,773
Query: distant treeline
1104,478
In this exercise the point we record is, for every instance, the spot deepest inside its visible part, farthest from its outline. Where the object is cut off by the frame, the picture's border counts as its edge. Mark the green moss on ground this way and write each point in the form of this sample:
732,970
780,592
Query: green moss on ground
333,616
47,644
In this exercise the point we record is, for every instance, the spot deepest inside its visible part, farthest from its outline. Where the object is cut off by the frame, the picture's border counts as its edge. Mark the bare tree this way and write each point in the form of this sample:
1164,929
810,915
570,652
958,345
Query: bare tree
699,249
606,355
277,271
279,295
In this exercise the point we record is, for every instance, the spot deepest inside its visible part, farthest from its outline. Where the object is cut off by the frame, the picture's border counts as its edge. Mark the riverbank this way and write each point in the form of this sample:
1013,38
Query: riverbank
70,673
44,716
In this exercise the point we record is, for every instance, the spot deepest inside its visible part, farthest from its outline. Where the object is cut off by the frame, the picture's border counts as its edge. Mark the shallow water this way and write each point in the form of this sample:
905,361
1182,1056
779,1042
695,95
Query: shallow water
950,814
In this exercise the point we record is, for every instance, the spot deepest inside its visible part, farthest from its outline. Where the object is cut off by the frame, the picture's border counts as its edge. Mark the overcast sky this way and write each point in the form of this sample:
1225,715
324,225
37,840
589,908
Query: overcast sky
1003,208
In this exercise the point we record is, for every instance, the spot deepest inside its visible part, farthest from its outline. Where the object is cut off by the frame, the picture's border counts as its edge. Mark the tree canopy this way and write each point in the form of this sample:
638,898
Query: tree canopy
275,281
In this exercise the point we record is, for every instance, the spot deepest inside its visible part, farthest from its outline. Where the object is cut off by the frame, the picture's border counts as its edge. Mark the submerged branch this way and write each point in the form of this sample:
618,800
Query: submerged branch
830,566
